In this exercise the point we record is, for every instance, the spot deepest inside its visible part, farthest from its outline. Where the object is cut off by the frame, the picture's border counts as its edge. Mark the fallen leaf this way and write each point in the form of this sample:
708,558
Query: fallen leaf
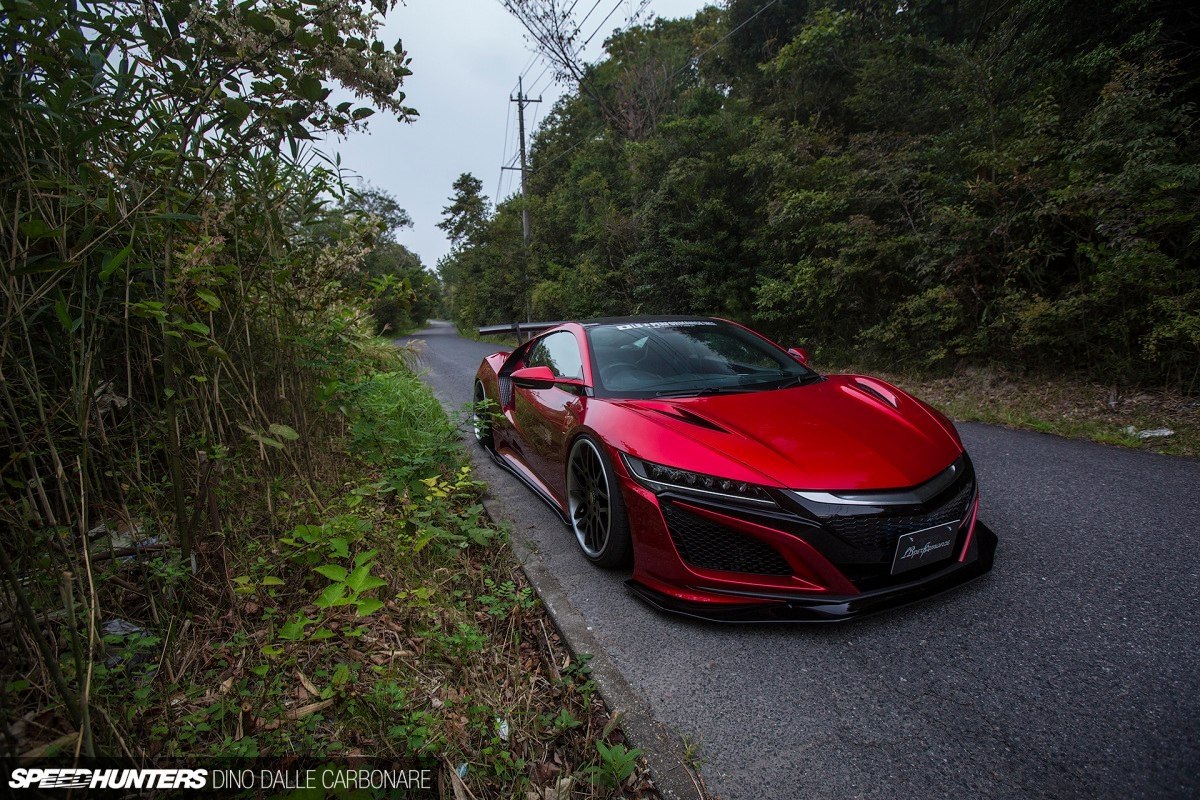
307,684
311,708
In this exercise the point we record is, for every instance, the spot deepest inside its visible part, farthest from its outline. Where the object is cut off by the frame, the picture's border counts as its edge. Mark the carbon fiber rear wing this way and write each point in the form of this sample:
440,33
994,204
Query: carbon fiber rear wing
518,328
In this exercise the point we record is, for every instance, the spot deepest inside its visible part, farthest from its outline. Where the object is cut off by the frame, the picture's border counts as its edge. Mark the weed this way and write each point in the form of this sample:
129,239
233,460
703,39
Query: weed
616,763
691,753
349,587
505,598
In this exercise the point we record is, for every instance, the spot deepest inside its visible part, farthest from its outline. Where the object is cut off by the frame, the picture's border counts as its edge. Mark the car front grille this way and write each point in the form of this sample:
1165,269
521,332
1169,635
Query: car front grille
703,543
880,531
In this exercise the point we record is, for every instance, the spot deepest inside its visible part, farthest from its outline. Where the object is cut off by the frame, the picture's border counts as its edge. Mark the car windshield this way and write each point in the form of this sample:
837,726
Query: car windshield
680,358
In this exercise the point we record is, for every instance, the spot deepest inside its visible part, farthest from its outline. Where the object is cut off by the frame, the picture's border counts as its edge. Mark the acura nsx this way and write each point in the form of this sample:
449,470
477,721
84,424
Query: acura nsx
741,483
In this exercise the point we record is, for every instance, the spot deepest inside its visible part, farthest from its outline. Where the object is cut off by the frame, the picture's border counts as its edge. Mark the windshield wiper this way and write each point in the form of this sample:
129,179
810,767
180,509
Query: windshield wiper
701,391
798,380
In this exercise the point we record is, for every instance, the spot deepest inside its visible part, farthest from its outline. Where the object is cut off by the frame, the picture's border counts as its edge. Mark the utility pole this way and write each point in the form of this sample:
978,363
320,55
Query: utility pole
521,100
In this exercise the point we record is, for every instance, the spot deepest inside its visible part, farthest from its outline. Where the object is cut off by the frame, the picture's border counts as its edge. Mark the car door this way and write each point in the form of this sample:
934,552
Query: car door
543,416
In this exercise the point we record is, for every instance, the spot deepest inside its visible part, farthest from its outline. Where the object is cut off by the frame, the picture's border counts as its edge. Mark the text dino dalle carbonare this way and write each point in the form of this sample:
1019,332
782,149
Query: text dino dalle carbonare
124,778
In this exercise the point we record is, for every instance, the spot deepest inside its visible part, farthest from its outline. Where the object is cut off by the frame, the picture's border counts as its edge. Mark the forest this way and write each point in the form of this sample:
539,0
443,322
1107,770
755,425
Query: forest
1011,182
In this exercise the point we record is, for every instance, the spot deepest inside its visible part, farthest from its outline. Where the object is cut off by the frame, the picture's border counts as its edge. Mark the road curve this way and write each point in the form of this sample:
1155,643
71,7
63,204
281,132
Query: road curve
1069,672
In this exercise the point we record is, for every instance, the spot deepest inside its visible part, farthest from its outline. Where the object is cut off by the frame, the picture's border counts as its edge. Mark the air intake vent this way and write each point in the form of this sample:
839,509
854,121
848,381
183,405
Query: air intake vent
708,545
877,391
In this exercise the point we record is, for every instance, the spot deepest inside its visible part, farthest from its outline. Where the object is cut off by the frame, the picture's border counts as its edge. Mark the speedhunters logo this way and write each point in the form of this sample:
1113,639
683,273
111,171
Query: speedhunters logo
83,778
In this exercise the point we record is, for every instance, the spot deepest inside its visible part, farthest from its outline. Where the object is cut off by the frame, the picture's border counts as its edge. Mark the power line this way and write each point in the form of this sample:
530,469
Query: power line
692,62
534,82
543,72
585,17
601,25
533,124
504,152
633,16
525,70
506,171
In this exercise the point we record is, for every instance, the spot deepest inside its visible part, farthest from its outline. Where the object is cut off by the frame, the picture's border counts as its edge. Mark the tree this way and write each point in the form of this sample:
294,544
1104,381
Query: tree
976,180
401,293
371,201
467,213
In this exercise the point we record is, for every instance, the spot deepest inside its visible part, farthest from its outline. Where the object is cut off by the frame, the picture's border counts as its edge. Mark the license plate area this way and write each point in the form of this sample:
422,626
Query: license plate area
923,547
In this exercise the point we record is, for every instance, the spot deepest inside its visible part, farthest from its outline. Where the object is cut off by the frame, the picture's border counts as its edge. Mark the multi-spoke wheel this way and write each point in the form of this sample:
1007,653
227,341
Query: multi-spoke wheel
481,420
594,504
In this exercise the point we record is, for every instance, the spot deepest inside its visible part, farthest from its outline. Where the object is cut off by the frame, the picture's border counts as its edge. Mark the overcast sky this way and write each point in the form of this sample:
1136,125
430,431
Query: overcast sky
466,56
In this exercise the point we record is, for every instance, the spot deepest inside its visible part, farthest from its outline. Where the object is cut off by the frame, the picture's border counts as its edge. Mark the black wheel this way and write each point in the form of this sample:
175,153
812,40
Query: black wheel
594,505
481,416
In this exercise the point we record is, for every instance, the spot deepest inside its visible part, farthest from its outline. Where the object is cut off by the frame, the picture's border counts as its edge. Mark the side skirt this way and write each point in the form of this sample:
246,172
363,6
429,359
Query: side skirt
515,468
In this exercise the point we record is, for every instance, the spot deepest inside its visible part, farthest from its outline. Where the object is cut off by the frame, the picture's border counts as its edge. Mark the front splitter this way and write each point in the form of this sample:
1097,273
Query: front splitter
829,609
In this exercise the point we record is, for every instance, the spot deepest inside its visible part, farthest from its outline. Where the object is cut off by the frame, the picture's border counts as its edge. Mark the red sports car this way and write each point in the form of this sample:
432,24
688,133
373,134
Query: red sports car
742,484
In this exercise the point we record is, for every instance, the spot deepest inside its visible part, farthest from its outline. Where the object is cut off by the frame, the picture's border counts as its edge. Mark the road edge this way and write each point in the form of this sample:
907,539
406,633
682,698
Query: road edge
664,750
674,778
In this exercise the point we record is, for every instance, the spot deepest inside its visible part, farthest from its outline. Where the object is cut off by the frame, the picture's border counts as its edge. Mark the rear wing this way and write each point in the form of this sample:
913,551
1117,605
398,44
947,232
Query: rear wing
518,328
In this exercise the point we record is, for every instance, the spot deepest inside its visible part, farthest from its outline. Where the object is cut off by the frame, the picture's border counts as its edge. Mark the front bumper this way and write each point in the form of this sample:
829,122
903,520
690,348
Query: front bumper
772,607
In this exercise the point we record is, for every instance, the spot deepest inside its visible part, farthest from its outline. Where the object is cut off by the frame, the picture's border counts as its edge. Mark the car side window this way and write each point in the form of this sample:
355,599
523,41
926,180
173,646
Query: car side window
560,352
517,358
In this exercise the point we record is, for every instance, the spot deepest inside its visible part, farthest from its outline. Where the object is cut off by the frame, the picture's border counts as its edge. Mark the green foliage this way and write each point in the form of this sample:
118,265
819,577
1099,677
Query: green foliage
467,212
616,763
348,587
402,294
175,286
938,184
505,599
466,526
396,423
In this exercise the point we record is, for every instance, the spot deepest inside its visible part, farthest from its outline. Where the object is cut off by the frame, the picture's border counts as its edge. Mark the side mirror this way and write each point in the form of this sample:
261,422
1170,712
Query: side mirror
533,377
543,378
800,354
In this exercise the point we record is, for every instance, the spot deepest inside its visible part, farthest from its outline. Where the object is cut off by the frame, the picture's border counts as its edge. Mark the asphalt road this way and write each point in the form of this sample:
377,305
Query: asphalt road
1068,672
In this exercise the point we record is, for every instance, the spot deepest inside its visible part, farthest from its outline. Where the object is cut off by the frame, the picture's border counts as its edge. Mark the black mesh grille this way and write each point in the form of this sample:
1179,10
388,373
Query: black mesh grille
881,531
505,386
706,544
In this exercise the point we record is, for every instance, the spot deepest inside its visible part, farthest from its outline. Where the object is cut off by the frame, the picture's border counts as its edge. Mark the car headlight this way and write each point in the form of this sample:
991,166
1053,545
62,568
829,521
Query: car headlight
659,478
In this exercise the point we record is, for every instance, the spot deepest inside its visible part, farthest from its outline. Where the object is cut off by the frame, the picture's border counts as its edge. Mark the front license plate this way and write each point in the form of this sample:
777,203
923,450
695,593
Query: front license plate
923,547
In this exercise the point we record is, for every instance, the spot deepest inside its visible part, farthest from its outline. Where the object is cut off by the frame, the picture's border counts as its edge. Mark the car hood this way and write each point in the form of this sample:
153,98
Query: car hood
843,432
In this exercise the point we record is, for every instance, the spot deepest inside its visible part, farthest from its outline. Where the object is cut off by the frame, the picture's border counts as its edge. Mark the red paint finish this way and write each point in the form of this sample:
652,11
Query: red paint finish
969,539
828,435
842,433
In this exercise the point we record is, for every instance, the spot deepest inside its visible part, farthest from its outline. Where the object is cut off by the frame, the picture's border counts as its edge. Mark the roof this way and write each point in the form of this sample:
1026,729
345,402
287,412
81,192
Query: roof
537,327
644,318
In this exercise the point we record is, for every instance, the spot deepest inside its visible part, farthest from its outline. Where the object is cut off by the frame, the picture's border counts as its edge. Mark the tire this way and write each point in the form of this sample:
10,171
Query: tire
595,510
481,423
